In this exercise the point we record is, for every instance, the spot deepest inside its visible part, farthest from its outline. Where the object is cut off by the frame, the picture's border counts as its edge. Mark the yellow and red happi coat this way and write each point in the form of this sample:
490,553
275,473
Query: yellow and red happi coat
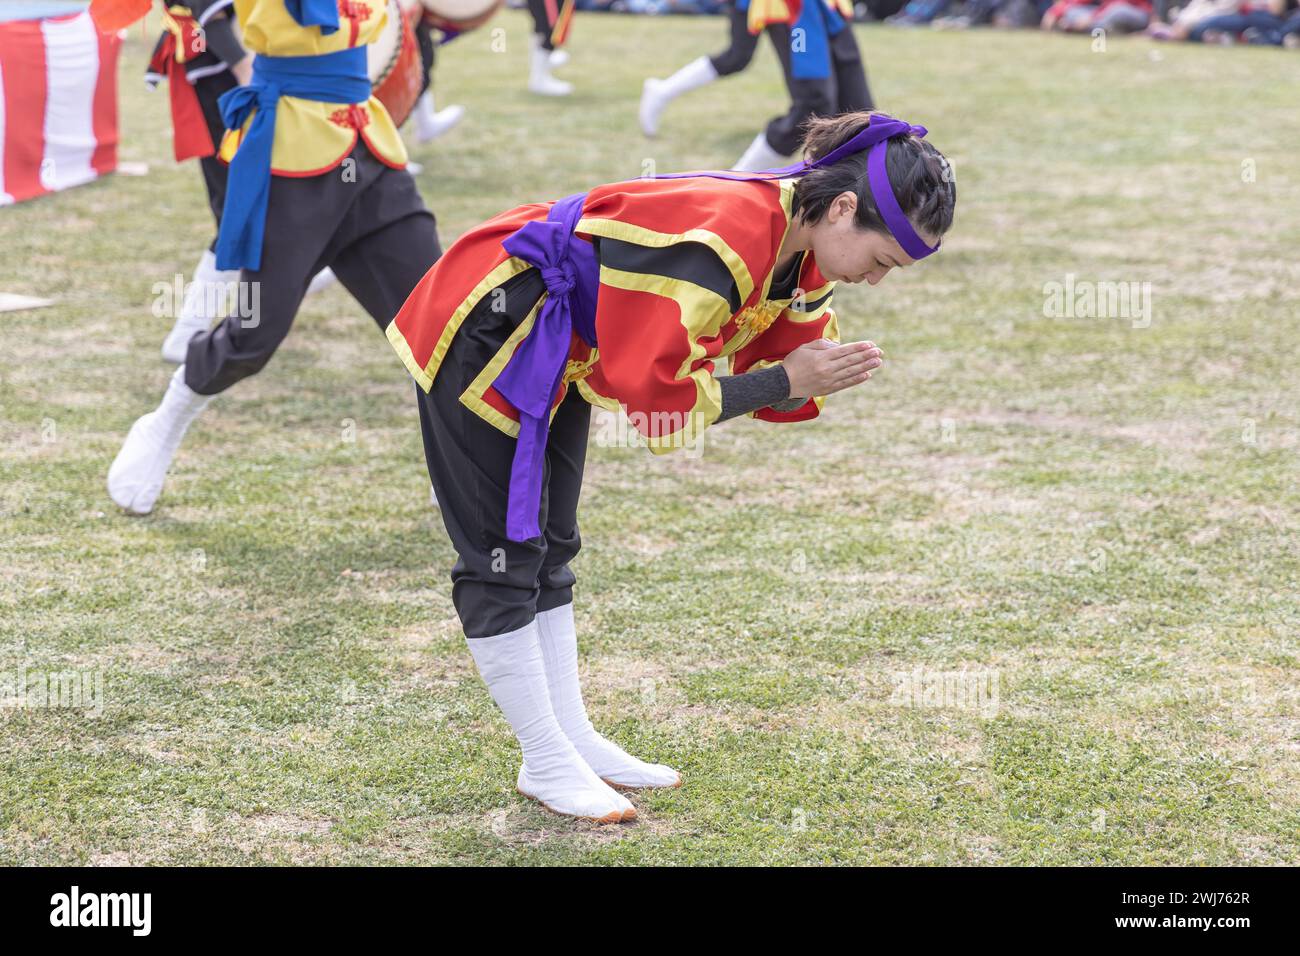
311,137
686,266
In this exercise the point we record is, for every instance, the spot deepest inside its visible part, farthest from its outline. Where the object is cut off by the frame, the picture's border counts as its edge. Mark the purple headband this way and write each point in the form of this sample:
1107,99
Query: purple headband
875,137
883,193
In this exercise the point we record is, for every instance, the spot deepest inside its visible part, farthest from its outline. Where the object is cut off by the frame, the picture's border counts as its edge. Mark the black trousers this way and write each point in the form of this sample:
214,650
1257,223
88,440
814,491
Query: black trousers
844,91
740,53
364,219
542,24
428,54
499,585
208,90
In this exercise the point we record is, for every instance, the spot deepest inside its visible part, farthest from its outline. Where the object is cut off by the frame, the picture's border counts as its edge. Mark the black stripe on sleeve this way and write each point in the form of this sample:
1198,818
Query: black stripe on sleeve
814,305
692,262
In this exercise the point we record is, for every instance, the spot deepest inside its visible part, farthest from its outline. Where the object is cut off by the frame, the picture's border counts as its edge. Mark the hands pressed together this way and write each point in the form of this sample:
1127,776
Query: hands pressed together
824,367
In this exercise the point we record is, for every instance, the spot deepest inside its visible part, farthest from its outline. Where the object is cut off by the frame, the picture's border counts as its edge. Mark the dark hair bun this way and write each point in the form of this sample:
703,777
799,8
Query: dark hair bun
923,182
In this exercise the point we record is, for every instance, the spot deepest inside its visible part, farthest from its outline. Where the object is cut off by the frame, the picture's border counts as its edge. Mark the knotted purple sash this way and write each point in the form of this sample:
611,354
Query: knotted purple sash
532,376
875,137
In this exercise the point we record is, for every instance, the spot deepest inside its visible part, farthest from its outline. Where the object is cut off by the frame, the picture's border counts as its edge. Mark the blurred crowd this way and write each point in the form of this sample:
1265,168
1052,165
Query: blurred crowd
1264,22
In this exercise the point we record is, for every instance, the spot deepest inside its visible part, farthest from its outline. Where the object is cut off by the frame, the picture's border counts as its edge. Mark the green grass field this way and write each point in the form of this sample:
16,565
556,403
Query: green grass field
1094,518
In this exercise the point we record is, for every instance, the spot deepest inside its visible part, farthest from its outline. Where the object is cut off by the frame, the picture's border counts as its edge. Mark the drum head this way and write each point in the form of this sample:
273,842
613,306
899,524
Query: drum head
461,14
398,88
381,55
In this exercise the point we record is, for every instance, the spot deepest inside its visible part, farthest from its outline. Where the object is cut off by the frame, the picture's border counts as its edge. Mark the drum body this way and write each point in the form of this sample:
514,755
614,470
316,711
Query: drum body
460,15
393,61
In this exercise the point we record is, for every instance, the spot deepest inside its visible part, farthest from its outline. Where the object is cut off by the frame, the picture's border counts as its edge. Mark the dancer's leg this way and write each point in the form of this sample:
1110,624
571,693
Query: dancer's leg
851,89
808,97
566,452
208,287
379,261
430,122
308,221
540,79
495,583
657,94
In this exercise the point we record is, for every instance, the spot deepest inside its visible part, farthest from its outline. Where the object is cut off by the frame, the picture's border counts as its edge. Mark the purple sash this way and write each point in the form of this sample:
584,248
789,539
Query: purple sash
530,379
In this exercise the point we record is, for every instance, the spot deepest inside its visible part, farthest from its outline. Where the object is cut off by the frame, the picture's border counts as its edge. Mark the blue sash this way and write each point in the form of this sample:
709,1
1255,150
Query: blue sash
810,55
338,77
810,51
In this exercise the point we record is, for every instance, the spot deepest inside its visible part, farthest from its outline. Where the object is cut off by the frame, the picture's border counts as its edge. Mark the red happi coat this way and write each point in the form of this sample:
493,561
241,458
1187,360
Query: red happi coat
686,266
181,57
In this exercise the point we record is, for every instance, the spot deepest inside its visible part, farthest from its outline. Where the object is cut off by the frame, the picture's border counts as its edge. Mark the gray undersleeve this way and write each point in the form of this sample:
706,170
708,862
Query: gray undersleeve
766,388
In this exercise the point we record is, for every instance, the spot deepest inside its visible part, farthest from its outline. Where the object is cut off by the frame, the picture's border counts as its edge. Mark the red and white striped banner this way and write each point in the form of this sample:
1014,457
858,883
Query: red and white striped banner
58,105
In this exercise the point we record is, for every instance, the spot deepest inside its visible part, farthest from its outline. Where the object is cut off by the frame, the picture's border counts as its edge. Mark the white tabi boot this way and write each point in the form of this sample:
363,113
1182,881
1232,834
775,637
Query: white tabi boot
657,94
539,77
760,156
202,306
559,643
321,281
136,476
430,123
553,773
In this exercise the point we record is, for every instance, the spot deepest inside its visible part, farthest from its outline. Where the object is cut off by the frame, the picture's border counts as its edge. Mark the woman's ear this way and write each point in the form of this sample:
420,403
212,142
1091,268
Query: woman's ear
844,205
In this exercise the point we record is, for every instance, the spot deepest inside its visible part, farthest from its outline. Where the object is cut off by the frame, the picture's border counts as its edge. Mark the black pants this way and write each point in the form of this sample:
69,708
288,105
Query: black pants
428,54
364,219
208,90
740,53
499,585
844,91
542,24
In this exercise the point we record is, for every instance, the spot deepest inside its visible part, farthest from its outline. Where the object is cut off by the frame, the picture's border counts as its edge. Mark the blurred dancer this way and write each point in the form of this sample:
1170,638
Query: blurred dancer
431,122
657,94
317,177
823,72
201,58
551,22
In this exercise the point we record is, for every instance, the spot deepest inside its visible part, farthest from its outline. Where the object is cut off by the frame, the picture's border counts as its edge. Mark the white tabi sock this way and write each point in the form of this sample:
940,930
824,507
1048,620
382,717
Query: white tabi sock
431,123
657,94
559,644
539,76
552,773
202,305
760,156
321,281
425,111
136,476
